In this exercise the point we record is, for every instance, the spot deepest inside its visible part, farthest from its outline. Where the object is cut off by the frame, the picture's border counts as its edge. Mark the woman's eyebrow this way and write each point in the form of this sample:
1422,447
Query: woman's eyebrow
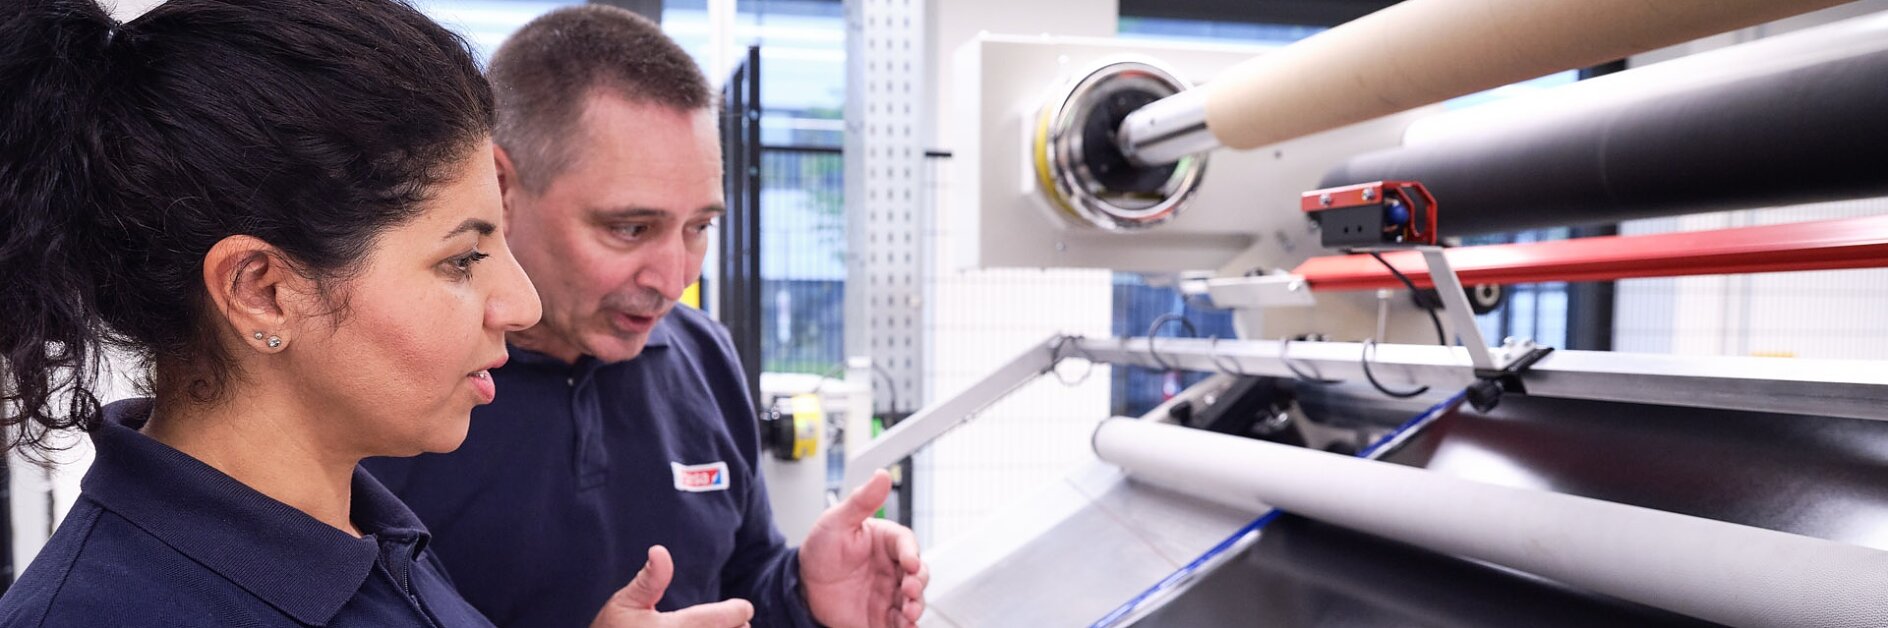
472,224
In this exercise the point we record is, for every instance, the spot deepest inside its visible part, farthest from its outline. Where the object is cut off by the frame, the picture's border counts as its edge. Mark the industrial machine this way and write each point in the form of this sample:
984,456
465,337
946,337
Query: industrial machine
1326,475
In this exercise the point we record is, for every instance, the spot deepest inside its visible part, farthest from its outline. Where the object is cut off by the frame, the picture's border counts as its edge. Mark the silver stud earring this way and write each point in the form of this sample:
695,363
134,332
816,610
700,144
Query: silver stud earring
258,335
275,341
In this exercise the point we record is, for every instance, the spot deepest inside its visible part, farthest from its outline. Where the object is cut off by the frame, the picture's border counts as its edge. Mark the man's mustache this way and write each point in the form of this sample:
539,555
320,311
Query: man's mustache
645,302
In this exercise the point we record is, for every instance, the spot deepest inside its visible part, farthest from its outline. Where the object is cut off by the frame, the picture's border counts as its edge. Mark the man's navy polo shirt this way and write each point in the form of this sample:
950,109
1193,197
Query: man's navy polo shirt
159,538
565,481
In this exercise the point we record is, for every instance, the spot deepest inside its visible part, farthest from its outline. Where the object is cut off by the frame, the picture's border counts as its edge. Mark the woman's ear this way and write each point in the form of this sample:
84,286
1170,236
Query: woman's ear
256,291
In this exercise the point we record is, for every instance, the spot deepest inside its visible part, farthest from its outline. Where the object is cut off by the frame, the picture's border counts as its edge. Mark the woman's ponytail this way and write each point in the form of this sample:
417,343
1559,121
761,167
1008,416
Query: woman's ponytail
53,58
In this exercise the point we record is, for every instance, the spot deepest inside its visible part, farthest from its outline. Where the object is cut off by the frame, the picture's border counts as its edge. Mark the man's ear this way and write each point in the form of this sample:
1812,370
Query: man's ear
254,289
508,183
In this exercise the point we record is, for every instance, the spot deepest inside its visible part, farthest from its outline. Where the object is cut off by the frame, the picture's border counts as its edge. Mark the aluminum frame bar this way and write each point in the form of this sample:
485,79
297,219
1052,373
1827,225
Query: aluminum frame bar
1457,316
1836,388
1856,389
918,430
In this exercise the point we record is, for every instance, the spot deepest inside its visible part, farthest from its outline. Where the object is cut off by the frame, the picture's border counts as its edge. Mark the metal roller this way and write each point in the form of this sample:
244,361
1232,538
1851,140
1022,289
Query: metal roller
1782,121
1122,148
1722,572
1081,168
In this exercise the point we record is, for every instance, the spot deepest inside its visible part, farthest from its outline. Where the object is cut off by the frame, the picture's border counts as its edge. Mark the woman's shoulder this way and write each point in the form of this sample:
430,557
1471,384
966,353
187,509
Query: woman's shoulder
99,569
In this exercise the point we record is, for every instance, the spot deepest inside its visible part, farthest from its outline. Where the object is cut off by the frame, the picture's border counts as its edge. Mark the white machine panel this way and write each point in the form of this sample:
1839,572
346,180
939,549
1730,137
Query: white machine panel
1247,204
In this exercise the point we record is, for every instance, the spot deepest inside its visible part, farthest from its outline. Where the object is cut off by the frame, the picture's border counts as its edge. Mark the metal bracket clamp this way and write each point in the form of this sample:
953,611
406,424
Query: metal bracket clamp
1458,318
1495,374
1490,384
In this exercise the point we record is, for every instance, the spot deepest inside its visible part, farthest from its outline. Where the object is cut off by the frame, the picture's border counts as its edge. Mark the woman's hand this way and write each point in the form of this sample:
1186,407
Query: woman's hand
634,606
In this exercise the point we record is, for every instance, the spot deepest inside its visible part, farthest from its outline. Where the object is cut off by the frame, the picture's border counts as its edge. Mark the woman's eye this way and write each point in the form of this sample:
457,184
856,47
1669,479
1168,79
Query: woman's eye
463,263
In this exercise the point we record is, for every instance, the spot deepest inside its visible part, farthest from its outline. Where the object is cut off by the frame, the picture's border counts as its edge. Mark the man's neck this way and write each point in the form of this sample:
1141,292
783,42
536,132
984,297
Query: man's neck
268,444
539,339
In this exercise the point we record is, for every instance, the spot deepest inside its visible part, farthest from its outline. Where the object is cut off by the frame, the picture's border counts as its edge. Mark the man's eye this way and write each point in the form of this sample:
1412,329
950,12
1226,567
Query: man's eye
704,227
631,231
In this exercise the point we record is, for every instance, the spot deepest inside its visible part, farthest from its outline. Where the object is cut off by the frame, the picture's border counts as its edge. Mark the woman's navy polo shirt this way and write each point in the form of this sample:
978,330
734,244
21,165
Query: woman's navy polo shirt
158,538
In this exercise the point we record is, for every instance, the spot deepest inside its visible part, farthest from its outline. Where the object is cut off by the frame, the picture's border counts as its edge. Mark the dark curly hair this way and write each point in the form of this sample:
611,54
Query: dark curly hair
128,151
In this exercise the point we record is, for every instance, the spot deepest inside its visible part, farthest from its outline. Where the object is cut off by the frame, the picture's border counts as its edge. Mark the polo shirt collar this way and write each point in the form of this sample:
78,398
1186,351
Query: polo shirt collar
301,566
660,336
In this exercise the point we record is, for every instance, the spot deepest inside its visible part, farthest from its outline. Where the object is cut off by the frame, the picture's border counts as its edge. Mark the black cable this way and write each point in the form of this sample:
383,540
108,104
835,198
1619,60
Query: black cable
1370,346
1370,349
1161,321
1169,317
1284,351
1442,338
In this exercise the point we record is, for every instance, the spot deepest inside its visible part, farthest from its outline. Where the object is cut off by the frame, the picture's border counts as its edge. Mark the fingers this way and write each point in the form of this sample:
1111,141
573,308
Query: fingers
913,589
912,586
647,588
722,614
913,611
861,505
905,547
899,543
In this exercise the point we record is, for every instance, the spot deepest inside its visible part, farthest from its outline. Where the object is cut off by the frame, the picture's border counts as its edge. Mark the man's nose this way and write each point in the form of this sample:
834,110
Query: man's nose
665,269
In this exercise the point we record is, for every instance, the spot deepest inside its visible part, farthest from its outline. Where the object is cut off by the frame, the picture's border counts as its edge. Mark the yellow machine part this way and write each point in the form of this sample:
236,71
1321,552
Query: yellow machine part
809,422
691,296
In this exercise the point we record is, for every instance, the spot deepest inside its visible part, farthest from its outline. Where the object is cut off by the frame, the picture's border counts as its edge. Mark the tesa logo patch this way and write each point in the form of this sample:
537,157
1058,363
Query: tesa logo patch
700,478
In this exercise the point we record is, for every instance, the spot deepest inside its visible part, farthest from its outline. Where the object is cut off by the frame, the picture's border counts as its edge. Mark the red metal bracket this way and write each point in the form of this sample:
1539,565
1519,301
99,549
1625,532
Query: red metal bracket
1360,212
1818,245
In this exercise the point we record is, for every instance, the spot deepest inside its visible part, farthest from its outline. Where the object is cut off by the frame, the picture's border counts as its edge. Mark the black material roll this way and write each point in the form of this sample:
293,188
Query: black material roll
1786,135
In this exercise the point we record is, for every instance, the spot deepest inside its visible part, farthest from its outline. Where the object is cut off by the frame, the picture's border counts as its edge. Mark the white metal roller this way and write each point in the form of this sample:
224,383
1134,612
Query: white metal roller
1722,572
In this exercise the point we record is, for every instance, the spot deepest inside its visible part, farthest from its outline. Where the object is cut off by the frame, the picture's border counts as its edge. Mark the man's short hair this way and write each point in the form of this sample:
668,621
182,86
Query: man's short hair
544,74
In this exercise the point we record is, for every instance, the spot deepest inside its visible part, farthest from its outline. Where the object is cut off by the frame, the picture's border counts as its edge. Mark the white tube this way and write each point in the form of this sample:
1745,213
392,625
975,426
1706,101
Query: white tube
1421,52
1722,572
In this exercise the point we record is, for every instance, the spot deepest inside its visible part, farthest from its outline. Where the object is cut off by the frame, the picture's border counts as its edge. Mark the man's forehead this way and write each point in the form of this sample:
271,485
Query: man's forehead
610,107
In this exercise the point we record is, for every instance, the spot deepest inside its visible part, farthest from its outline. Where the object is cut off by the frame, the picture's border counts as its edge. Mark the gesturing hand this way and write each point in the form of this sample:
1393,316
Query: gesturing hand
634,606
859,571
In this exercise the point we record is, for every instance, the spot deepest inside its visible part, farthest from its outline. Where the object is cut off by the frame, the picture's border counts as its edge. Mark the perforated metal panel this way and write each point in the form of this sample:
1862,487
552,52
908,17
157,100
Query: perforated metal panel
884,208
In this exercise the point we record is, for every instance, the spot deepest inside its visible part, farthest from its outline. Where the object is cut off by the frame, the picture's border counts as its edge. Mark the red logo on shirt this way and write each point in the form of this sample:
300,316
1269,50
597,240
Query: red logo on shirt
696,478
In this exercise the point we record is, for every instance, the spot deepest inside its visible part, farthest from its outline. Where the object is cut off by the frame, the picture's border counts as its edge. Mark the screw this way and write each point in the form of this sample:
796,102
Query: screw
1324,199
1370,194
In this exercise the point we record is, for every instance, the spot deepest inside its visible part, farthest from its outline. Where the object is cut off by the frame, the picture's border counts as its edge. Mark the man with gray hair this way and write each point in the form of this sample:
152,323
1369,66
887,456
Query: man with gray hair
624,442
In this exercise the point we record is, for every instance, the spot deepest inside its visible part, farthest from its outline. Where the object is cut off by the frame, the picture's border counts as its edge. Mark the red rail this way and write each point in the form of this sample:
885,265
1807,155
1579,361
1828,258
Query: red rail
1818,245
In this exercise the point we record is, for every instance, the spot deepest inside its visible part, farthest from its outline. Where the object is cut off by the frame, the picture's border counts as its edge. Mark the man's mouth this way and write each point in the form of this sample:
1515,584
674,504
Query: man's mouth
634,323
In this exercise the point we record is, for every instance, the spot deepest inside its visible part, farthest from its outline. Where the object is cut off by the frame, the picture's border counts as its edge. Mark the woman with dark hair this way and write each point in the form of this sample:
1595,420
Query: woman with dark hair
285,213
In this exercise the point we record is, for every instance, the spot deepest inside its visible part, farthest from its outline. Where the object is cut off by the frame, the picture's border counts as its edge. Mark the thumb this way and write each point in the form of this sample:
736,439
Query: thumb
860,506
647,588
722,614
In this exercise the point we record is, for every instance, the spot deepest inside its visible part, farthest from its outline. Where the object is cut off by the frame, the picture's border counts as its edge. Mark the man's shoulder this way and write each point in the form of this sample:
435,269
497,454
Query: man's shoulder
701,334
688,323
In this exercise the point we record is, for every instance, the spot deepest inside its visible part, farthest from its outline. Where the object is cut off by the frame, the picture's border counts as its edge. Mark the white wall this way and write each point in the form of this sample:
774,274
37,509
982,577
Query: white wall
980,318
